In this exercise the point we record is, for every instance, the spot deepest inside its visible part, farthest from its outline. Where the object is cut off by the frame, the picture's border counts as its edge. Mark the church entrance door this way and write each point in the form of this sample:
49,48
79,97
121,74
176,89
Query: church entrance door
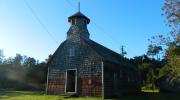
71,80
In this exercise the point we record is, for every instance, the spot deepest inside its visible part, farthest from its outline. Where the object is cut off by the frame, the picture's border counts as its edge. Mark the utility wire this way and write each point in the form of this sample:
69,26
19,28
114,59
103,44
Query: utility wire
105,33
45,28
39,21
73,6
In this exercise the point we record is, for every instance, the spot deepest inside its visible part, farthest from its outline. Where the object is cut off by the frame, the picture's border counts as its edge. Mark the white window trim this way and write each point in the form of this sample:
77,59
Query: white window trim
102,69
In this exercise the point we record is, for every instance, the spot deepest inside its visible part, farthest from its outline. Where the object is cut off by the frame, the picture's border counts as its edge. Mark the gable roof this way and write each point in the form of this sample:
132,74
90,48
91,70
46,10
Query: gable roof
105,53
109,55
60,46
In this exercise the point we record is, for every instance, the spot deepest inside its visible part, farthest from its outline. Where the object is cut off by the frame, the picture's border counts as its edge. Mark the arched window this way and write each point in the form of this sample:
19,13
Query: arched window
72,51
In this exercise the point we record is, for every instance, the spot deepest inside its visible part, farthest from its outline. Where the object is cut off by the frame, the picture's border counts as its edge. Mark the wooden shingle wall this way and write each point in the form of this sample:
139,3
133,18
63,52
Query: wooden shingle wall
87,63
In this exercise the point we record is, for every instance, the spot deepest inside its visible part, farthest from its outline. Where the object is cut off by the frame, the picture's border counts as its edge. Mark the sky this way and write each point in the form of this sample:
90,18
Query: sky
37,27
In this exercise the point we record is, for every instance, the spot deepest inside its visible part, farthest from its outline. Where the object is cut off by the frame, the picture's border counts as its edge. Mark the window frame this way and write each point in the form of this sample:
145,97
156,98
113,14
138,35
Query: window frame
72,51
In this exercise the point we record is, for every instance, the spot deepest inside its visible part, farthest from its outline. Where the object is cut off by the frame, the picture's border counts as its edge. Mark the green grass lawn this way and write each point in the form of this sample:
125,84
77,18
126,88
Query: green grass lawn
31,95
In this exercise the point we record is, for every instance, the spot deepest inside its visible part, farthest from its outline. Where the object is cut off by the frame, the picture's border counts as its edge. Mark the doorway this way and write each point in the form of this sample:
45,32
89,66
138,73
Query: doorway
71,80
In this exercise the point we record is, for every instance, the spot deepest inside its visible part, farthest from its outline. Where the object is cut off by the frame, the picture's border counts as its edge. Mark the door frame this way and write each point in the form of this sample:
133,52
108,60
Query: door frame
75,80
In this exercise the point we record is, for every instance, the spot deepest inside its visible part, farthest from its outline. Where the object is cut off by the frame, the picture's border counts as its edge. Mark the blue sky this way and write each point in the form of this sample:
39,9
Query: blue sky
113,23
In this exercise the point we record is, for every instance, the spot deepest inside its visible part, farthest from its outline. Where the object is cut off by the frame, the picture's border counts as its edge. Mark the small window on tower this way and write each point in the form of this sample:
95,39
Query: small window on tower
72,51
85,22
73,21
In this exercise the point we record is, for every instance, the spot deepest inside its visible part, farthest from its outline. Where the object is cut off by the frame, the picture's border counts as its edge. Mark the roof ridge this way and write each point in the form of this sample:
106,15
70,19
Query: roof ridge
106,53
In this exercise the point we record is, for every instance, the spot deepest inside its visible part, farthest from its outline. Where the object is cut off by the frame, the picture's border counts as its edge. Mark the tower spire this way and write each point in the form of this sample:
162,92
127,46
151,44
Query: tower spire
79,24
78,6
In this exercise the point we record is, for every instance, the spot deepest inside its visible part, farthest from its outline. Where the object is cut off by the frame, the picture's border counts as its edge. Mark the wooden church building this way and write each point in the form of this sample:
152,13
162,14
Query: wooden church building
83,67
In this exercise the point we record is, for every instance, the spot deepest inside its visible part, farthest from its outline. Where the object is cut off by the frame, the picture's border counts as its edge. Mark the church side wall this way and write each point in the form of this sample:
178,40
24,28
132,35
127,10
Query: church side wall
119,80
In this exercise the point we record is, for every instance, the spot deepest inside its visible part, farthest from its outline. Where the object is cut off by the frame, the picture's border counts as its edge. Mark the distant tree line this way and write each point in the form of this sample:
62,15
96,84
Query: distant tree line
169,74
160,66
149,70
22,73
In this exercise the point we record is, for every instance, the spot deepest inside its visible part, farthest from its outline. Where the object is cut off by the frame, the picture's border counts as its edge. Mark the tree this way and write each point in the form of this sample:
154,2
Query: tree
49,58
154,50
173,59
37,74
149,70
9,60
171,11
18,59
1,56
29,62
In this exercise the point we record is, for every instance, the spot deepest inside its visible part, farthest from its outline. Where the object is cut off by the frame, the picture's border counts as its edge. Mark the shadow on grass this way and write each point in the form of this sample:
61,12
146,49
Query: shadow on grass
151,96
5,94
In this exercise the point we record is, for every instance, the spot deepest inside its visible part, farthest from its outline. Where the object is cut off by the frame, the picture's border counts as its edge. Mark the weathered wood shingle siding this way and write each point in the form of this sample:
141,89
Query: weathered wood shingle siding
87,63
116,81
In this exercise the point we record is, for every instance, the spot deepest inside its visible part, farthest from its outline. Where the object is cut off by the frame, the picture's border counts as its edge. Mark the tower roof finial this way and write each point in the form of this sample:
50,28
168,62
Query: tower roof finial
78,6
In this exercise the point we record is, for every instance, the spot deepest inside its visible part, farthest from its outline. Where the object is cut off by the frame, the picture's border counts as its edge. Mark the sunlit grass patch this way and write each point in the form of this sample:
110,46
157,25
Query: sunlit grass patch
155,91
149,89
35,95
26,95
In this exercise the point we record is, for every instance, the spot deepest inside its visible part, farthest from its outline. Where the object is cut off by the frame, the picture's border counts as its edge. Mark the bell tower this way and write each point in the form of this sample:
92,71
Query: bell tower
78,26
